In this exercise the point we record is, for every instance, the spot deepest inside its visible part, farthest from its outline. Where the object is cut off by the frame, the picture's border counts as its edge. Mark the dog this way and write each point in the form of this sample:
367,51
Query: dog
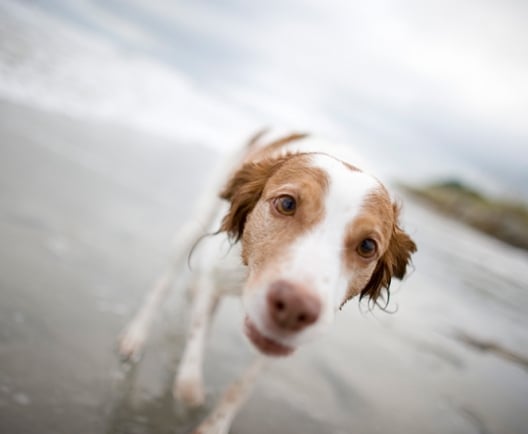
308,232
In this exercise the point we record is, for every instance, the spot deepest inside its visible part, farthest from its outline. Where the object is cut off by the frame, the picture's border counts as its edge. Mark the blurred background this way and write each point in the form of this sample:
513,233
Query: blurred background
112,113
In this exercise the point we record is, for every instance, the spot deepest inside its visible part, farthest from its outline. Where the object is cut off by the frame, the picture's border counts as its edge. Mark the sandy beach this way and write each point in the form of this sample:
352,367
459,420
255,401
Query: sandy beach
87,213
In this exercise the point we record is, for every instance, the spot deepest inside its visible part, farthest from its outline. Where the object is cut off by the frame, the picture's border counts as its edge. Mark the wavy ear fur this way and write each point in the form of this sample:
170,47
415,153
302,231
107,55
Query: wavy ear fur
393,263
243,191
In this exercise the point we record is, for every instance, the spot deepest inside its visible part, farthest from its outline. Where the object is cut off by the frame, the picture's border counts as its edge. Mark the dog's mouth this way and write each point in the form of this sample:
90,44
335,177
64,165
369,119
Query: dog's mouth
264,344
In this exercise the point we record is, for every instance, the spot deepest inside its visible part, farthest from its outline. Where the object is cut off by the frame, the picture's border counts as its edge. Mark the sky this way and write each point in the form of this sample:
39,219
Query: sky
425,89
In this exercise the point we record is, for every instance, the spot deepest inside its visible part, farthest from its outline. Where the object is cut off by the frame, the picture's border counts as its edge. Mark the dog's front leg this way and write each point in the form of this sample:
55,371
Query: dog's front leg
132,339
219,421
188,385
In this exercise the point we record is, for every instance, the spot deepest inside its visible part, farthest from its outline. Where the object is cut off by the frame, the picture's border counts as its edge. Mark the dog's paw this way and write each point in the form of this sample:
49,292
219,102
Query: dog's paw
189,390
130,343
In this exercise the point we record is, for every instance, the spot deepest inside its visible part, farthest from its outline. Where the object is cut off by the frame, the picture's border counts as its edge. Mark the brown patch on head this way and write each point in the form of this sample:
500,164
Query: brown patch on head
244,189
378,221
374,222
252,191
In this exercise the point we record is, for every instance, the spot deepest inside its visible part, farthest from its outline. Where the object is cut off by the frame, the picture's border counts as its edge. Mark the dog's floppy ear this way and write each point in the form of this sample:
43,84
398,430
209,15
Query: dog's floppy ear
243,191
393,263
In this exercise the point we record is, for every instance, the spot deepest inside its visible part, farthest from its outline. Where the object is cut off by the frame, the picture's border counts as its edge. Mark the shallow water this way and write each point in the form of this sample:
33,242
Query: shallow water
86,216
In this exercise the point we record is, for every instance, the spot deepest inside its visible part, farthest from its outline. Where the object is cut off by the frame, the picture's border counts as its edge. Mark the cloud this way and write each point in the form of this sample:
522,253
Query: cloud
439,83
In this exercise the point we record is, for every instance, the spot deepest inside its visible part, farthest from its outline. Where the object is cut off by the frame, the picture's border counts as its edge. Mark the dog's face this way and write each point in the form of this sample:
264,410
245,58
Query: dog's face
315,232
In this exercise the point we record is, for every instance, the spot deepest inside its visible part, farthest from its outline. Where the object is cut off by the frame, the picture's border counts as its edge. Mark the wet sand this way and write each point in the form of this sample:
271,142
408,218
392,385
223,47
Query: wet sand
87,211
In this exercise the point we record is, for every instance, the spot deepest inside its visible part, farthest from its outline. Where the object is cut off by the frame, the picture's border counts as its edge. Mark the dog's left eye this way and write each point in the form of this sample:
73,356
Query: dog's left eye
286,205
367,248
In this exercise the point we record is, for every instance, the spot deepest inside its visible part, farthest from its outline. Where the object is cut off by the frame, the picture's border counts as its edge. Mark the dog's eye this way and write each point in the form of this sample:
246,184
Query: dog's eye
286,205
367,248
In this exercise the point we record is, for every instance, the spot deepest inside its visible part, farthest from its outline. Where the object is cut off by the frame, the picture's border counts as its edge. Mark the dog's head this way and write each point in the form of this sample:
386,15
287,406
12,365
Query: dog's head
315,232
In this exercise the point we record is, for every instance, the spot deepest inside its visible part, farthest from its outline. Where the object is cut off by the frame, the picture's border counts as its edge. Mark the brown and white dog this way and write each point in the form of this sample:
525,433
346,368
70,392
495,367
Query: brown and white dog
310,231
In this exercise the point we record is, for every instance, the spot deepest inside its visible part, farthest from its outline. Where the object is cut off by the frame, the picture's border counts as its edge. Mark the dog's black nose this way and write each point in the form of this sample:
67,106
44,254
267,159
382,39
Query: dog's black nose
292,307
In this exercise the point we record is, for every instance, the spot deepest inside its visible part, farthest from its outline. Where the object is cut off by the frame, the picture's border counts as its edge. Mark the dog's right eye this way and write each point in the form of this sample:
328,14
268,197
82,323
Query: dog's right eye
285,205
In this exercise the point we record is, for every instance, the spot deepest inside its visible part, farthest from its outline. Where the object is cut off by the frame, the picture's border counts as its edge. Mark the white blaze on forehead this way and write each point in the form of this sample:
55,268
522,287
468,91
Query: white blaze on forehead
347,187
317,255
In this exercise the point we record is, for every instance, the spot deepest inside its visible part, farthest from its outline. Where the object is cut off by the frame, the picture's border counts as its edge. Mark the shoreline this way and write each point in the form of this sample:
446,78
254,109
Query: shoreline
505,220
